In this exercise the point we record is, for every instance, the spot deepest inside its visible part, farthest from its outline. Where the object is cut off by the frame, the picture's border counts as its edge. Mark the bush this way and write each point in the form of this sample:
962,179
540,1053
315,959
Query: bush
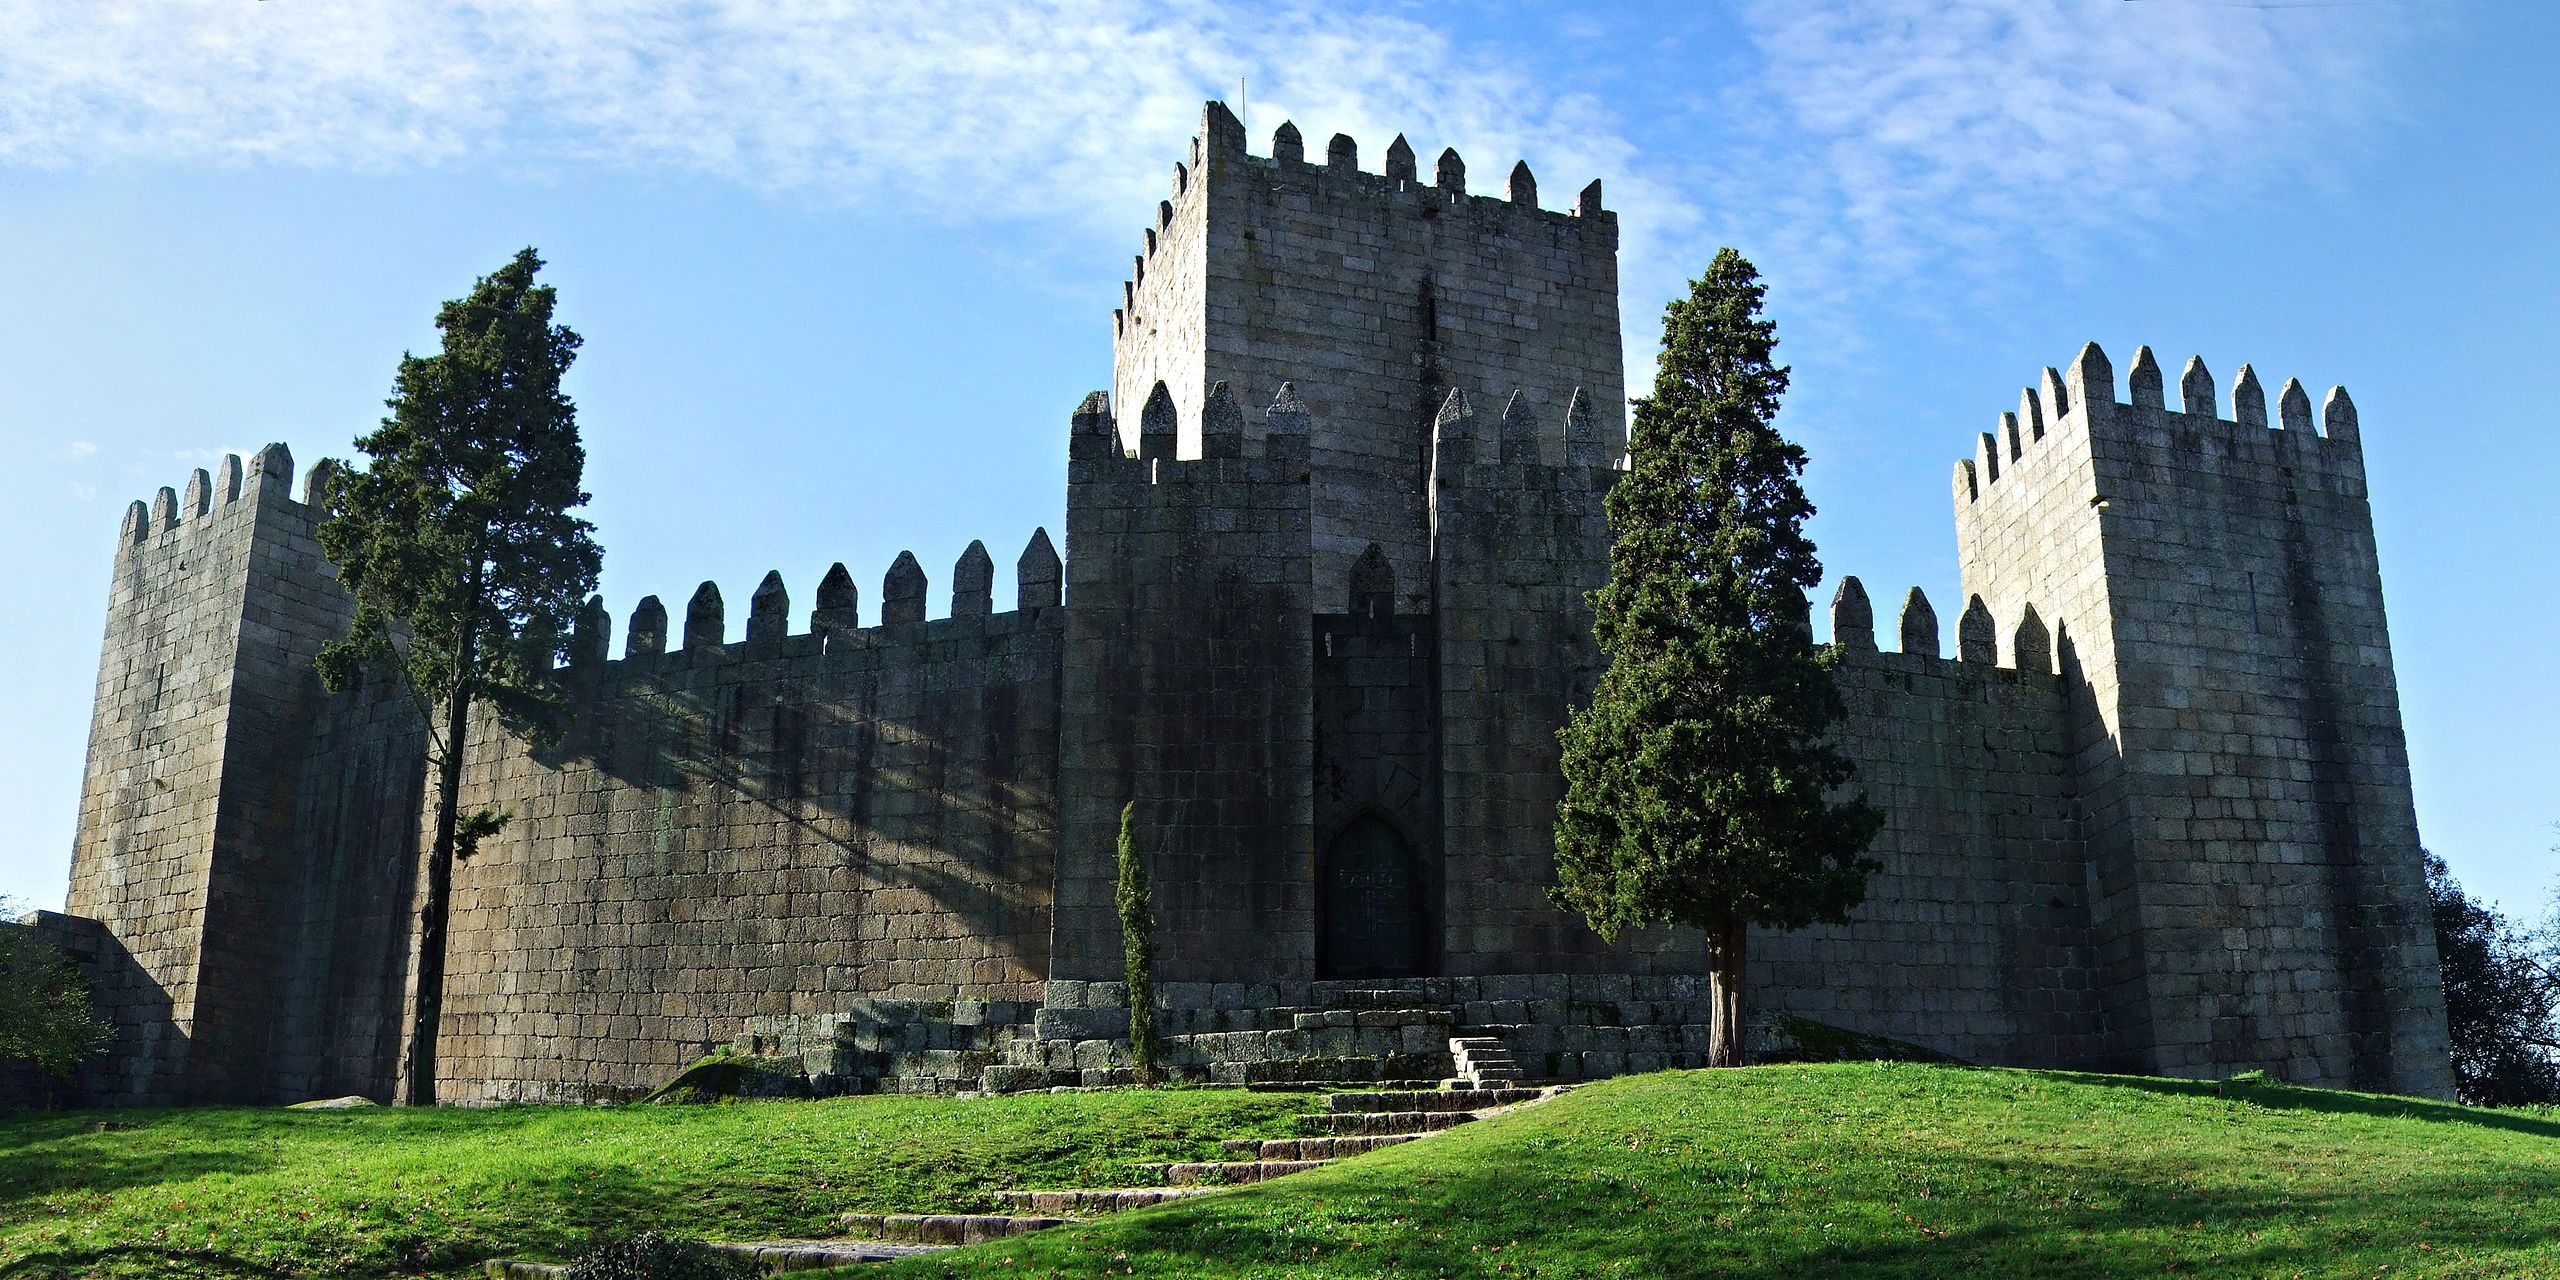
650,1256
44,1005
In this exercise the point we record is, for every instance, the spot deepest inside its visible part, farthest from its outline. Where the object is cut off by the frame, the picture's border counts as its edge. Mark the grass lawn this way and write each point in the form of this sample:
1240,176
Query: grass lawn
1864,1170
1839,1170
246,1192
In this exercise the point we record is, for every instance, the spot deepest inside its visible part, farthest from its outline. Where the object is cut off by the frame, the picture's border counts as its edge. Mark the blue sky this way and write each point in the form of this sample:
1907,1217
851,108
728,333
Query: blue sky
843,271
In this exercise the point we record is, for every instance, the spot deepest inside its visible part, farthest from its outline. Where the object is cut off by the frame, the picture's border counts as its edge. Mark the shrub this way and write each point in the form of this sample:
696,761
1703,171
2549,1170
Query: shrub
650,1256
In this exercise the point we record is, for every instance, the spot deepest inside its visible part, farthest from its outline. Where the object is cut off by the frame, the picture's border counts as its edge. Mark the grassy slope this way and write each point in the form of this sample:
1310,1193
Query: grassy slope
374,1192
1879,1170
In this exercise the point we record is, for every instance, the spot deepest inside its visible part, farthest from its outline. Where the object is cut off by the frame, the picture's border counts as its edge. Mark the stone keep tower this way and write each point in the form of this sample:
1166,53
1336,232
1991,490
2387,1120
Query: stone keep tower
1327,656
1376,294
2256,889
206,697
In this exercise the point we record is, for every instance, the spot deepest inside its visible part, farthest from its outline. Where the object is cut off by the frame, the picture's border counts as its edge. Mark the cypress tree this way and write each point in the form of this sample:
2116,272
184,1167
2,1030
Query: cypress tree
467,568
1699,784
1135,897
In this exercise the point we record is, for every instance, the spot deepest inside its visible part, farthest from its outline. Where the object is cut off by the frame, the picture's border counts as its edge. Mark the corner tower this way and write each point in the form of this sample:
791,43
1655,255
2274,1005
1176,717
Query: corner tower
2257,888
206,695
1376,295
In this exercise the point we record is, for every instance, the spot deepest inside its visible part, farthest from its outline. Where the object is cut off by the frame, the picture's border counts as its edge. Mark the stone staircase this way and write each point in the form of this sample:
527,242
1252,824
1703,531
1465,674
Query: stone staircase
1351,1124
1483,1063
1377,1033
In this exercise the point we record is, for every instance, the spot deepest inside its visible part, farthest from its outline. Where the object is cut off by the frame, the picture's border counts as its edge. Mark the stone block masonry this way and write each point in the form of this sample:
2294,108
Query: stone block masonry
1321,614
1188,691
206,700
2216,607
755,829
1376,294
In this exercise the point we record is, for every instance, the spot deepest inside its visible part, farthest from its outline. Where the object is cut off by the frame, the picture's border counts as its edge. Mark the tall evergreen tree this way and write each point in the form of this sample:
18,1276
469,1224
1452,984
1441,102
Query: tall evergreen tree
1699,788
466,565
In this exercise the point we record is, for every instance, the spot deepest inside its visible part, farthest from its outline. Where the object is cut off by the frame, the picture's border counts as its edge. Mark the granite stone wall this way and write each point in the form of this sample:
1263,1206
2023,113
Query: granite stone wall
1974,938
1518,537
362,810
1188,691
1376,293
2218,613
781,825
183,854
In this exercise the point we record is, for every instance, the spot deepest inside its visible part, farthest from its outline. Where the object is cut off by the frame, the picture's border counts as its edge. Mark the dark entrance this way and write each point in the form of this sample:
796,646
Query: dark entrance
1372,908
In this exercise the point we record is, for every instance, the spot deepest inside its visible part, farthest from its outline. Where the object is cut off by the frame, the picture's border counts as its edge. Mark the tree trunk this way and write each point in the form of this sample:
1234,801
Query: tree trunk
1725,947
420,1090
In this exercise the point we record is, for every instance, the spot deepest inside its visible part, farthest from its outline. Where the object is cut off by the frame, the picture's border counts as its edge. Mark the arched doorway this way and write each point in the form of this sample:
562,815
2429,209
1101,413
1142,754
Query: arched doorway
1371,904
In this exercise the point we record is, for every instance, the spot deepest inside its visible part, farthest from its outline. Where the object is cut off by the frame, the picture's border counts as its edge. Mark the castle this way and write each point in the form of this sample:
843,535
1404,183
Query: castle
1319,616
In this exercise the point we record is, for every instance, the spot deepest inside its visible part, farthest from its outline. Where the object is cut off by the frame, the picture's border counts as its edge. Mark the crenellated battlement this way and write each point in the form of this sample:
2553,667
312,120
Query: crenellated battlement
1980,641
1278,435
834,623
266,480
2073,408
1338,176
1526,434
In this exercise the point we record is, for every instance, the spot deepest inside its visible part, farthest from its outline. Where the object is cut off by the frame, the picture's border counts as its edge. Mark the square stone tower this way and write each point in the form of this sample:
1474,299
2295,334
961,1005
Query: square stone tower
1325,647
186,856
1376,294
2216,605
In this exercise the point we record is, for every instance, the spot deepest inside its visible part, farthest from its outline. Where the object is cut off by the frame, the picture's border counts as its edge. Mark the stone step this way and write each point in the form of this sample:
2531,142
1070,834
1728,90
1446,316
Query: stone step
1317,1020
1430,1099
1377,998
1313,1072
775,1256
1311,1148
1483,1061
1098,1201
1355,1124
942,1228
1227,1173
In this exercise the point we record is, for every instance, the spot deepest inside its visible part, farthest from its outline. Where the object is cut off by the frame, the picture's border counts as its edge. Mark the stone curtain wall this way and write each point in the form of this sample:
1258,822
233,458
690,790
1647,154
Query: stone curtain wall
779,826
1974,939
1376,293
205,689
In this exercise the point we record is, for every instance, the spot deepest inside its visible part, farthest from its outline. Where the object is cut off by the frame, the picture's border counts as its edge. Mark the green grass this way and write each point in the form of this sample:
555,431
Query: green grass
1865,1170
1839,1170
238,1191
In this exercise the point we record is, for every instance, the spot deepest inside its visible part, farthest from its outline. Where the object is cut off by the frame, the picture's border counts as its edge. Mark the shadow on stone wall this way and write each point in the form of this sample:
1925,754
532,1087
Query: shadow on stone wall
148,1051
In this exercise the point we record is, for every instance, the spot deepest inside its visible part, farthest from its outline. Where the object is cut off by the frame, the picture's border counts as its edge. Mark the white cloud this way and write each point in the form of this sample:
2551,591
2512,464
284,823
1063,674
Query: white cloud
1894,137
77,451
1864,141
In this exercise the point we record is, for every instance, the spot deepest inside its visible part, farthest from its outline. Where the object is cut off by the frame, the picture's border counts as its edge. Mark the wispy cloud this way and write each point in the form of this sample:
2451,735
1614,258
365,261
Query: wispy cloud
1861,141
1887,138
